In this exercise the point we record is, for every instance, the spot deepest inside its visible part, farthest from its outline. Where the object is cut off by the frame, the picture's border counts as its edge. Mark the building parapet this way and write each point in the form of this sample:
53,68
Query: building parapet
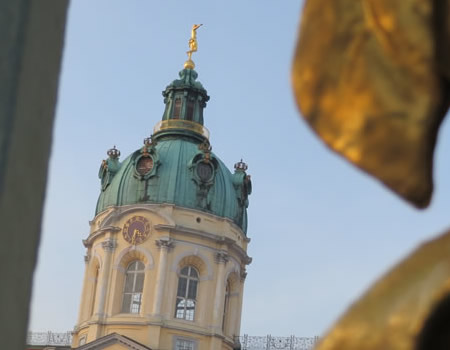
247,342
49,338
268,342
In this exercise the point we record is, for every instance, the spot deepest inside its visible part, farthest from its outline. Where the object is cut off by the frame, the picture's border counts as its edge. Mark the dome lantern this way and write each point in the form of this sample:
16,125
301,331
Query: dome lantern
185,99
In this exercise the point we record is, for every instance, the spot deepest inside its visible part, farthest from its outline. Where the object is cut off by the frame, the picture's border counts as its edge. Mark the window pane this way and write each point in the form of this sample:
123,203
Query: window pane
136,303
193,273
179,312
190,110
186,293
182,283
190,310
129,282
183,344
139,286
177,108
140,265
192,292
126,303
132,266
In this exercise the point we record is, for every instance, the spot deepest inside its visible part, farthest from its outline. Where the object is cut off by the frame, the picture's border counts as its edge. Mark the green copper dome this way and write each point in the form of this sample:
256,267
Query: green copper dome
176,165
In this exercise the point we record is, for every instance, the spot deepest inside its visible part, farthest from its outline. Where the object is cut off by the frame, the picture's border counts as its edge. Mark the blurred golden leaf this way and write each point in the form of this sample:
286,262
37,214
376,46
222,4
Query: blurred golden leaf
393,311
370,77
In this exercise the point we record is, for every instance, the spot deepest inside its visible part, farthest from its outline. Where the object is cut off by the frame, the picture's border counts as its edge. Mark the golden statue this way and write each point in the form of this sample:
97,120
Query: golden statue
193,46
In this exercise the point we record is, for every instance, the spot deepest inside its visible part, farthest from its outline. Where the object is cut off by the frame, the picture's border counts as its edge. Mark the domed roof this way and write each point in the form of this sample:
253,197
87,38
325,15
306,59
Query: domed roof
176,165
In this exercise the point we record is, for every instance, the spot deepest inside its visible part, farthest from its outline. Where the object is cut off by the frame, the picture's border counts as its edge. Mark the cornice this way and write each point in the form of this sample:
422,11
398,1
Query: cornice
164,210
88,241
215,238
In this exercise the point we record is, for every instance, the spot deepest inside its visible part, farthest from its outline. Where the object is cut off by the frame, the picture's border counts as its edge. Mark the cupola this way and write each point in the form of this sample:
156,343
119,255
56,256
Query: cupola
176,164
185,100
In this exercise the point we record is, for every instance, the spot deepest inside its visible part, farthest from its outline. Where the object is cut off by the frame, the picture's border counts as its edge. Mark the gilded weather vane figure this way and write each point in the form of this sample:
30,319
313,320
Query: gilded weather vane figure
193,46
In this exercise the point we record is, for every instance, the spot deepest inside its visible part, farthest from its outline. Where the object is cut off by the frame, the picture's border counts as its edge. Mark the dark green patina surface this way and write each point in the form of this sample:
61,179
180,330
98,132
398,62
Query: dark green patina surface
181,169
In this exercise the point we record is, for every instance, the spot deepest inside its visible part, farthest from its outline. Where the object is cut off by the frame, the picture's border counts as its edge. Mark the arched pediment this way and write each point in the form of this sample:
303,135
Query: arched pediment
134,253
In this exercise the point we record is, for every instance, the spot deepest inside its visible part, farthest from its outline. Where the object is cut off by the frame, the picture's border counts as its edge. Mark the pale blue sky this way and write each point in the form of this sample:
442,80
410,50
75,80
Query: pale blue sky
321,231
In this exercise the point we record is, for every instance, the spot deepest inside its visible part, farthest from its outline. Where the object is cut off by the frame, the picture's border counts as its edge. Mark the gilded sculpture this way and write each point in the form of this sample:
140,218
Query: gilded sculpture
193,46
371,78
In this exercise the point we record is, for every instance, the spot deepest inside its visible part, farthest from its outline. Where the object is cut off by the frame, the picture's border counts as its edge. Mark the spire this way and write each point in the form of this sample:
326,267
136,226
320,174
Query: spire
185,99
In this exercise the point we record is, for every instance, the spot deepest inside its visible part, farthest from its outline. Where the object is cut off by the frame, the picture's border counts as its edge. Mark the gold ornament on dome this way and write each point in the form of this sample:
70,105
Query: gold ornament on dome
193,46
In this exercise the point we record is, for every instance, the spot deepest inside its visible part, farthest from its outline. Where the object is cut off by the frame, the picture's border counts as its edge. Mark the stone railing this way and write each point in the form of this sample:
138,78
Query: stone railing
268,342
49,338
247,342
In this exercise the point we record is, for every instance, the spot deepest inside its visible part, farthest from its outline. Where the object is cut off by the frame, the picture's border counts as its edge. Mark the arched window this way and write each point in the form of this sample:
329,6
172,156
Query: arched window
94,292
226,305
134,284
177,109
190,110
186,293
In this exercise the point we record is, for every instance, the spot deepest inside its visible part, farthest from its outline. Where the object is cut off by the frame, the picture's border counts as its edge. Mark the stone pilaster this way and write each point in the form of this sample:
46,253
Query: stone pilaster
108,245
164,244
221,258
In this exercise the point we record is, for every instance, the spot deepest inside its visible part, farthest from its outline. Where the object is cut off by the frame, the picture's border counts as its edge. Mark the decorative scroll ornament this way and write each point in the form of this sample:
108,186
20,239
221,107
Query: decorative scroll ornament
371,78
146,164
165,243
222,257
109,244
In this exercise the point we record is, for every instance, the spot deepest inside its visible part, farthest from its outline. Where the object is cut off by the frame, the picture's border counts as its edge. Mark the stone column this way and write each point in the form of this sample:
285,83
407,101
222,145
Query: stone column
221,259
219,299
109,245
82,313
164,244
238,316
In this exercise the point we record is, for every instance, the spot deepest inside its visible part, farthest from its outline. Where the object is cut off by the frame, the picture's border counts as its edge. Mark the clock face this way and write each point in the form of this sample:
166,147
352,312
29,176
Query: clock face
136,230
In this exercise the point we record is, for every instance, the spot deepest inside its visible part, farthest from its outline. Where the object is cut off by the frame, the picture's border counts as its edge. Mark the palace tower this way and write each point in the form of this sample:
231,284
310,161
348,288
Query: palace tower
166,252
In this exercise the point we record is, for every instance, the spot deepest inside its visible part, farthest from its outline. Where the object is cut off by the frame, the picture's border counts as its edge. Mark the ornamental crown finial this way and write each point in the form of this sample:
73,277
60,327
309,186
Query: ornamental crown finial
240,166
193,46
113,152
148,141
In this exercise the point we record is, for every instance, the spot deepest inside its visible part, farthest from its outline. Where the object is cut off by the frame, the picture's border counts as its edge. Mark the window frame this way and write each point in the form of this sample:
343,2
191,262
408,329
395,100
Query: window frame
186,298
138,271
177,339
177,106
226,306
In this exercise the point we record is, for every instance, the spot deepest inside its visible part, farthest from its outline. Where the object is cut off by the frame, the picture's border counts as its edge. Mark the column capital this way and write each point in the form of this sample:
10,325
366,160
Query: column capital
243,275
87,257
222,257
165,243
109,244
